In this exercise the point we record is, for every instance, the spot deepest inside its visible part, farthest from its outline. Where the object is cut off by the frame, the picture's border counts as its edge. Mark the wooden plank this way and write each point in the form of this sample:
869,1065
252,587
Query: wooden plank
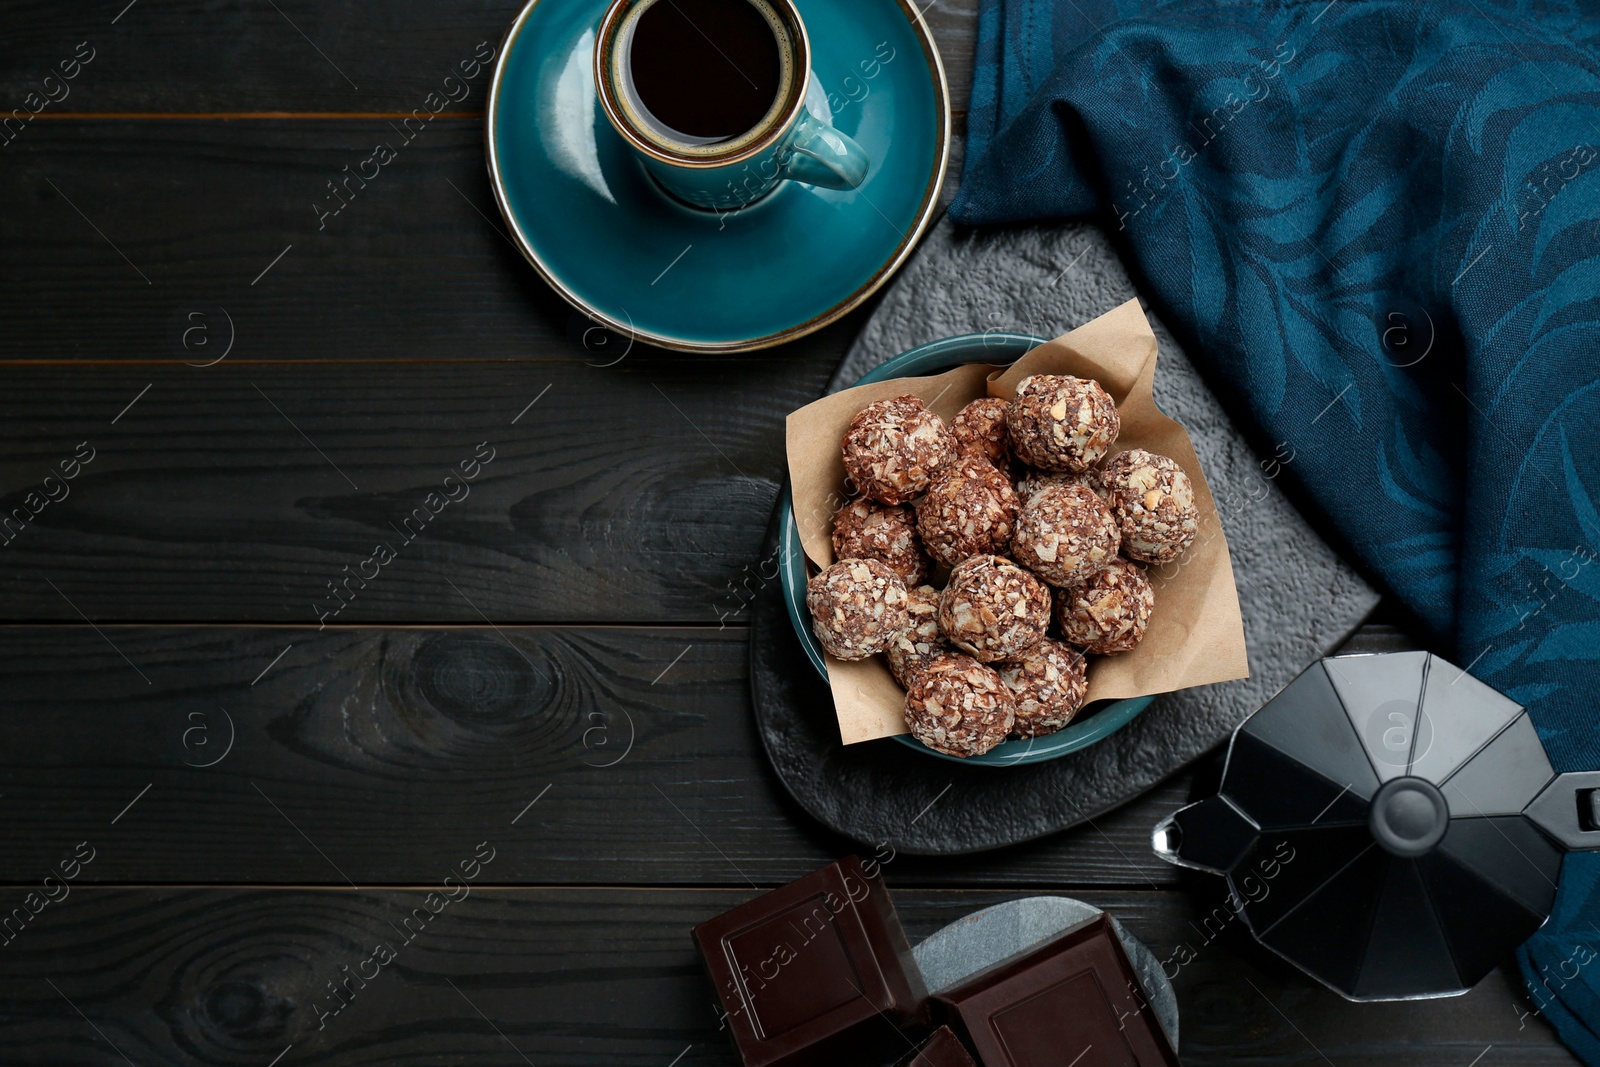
579,977
367,756
192,235
199,239
634,492
292,55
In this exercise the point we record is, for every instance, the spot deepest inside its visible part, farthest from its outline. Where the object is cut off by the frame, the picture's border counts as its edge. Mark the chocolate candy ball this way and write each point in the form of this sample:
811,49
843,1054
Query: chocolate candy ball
1034,480
1154,502
1062,423
1108,613
857,606
1049,682
969,510
894,448
980,428
1065,534
867,530
920,643
960,707
993,609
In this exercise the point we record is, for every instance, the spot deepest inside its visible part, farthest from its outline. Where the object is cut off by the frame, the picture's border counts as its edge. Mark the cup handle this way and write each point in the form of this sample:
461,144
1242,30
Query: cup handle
821,155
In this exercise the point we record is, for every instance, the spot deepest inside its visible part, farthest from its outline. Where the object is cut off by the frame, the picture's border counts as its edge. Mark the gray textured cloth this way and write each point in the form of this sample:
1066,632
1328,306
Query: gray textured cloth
1299,599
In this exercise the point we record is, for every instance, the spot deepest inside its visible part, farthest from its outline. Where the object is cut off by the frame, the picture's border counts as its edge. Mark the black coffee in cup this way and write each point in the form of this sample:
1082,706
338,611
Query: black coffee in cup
707,70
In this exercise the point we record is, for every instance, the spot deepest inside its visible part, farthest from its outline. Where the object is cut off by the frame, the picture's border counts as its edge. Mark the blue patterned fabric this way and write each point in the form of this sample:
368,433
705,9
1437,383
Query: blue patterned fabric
1375,224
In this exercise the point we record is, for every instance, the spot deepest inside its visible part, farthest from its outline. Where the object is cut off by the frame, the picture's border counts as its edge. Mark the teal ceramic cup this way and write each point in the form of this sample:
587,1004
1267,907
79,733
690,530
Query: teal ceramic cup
788,143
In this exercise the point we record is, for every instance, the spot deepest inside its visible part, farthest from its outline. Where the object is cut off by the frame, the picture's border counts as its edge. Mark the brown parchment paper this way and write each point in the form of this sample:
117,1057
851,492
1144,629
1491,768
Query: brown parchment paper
1196,634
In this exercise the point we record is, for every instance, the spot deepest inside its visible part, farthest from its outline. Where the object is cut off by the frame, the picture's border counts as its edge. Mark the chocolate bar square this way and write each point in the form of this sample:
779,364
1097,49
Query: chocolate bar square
1073,1000
814,971
942,1048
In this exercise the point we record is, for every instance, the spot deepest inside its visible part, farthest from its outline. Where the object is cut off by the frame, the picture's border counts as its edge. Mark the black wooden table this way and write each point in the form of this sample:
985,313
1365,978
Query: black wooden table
231,771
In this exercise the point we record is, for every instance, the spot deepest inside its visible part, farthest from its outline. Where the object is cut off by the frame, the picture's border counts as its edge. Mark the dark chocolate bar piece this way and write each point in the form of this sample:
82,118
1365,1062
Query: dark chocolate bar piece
816,972
942,1048
1073,1000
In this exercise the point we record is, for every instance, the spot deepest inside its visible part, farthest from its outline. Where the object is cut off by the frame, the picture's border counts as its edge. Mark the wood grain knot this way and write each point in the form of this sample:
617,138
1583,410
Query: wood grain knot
241,1008
483,681
239,1002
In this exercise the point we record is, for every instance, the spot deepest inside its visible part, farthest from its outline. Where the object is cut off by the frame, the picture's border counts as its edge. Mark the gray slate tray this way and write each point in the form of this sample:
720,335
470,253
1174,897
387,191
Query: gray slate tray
1299,599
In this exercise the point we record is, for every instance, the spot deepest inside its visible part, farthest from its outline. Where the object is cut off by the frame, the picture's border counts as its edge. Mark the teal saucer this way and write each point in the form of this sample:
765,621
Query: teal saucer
584,213
1097,721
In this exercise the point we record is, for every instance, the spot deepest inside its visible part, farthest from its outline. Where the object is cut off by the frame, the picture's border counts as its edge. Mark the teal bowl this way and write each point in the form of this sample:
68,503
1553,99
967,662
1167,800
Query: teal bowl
1098,720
